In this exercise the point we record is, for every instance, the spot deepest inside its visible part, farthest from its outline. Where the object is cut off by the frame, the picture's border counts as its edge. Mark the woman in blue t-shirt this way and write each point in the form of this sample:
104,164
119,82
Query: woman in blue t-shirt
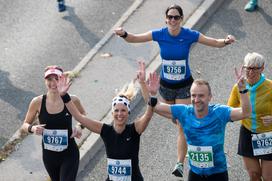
176,79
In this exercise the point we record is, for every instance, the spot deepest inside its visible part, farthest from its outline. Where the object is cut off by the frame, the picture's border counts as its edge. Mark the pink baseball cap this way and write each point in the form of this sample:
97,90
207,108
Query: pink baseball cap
52,71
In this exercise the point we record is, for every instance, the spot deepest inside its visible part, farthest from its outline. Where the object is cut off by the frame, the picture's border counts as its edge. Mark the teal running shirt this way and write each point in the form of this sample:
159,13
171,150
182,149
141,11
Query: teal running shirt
205,137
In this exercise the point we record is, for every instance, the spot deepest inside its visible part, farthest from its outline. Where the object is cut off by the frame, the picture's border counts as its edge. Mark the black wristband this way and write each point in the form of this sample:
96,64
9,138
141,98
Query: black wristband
243,91
29,128
66,98
124,35
226,43
152,101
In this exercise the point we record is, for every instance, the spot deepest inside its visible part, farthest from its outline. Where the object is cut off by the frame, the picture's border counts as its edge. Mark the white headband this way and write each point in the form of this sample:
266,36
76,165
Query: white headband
121,100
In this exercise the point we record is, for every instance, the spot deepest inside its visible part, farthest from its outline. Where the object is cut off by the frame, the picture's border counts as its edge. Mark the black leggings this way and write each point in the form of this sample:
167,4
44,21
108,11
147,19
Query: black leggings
62,166
214,177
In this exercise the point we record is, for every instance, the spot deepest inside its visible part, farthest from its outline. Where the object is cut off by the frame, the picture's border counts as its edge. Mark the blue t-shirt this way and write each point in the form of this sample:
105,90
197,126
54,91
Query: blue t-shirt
175,48
207,131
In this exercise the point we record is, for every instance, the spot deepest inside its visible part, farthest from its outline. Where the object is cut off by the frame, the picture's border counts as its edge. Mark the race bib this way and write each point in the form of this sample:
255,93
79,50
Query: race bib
201,156
119,170
262,143
174,69
55,139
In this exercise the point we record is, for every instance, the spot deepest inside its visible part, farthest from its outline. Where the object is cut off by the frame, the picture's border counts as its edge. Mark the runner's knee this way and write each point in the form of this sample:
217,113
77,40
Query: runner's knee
254,175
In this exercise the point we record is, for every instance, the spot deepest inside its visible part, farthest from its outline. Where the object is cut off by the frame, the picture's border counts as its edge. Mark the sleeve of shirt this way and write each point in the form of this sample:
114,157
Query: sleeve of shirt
156,34
234,99
177,111
224,113
194,35
104,130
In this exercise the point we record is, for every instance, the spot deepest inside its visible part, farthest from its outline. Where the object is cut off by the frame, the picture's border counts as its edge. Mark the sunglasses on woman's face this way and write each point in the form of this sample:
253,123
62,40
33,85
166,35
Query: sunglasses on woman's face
177,17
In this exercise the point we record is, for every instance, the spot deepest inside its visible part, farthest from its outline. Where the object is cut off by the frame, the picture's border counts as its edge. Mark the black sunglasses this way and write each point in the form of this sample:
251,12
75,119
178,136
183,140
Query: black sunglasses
177,17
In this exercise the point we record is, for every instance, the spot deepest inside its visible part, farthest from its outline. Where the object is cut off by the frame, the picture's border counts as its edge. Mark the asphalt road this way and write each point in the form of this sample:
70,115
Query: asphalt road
33,35
158,142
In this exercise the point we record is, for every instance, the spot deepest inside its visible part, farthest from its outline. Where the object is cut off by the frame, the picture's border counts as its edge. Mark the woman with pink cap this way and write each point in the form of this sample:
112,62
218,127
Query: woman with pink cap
59,149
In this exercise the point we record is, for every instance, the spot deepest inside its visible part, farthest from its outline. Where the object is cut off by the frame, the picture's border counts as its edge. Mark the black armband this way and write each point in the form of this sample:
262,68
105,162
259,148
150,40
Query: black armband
124,35
29,129
226,43
66,98
152,101
243,91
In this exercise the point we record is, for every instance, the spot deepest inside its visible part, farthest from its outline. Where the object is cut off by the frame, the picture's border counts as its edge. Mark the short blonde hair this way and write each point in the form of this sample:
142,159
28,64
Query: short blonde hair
128,91
203,82
254,59
124,96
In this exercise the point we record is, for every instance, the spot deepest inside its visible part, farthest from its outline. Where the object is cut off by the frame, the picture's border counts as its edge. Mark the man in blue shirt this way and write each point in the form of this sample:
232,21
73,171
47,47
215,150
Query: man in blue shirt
203,124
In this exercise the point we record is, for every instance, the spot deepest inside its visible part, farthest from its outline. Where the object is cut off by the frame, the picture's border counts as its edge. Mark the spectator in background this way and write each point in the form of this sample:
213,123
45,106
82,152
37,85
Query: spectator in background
251,5
61,5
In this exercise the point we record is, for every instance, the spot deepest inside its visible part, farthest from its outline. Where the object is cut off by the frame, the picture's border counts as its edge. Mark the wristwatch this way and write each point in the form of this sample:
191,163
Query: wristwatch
243,91
152,101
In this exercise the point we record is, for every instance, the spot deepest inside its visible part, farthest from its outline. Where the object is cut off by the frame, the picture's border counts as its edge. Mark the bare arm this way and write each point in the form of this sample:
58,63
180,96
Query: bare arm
78,104
77,130
93,125
164,110
144,120
80,108
245,110
242,112
134,38
33,110
219,43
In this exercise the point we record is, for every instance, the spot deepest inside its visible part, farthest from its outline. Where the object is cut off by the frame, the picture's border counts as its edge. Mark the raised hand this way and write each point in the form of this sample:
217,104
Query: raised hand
241,81
119,31
153,83
76,133
141,71
64,84
267,120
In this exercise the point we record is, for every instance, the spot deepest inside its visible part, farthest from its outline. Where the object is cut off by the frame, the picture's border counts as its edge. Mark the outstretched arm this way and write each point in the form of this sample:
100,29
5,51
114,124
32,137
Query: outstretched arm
245,110
133,38
219,43
92,125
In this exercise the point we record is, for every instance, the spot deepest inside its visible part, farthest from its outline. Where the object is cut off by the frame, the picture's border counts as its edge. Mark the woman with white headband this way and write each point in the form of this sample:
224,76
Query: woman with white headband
59,149
122,140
